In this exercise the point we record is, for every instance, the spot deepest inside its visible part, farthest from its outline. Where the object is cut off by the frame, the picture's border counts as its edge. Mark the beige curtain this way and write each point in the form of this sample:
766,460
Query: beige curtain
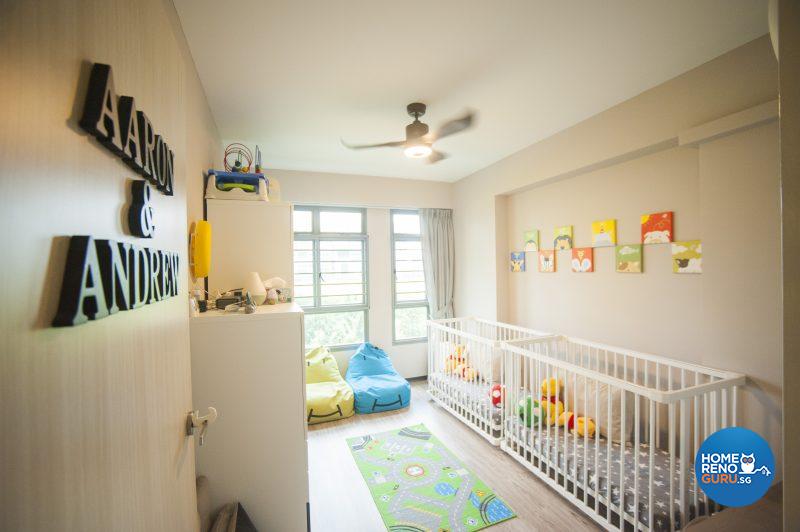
438,258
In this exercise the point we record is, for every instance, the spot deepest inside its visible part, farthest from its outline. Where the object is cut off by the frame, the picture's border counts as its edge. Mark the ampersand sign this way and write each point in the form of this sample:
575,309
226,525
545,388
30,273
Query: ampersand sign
140,212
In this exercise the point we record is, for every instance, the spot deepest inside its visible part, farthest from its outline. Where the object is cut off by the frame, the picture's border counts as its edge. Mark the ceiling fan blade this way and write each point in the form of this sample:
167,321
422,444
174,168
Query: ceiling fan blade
455,126
436,156
396,144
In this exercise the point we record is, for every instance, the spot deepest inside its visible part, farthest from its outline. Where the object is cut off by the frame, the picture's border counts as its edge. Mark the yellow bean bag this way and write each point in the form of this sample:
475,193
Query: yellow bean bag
328,396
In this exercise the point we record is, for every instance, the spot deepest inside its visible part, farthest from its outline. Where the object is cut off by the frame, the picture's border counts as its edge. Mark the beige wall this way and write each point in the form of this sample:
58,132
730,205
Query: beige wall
737,80
93,435
790,176
364,191
724,192
621,150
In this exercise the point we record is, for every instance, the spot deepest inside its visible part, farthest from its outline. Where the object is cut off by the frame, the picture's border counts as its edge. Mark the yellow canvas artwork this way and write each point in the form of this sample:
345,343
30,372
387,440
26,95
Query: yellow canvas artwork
604,233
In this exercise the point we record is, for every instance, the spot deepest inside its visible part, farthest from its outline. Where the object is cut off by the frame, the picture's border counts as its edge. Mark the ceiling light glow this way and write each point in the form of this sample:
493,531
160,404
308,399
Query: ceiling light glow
418,151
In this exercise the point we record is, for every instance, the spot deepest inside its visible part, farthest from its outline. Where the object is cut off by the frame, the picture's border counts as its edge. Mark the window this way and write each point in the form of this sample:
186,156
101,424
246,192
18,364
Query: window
410,307
330,274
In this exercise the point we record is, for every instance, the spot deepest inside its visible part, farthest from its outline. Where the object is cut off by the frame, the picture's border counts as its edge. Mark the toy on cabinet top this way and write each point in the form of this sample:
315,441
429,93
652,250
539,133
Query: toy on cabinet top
237,186
243,178
238,158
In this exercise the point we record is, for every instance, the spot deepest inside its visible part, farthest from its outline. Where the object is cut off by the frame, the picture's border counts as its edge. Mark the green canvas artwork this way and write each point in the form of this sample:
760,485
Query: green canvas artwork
418,484
628,258
562,237
687,257
531,239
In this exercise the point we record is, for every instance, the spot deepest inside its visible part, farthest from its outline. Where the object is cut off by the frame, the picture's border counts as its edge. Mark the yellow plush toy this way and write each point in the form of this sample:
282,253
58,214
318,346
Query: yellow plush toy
455,359
451,364
551,408
551,387
466,372
582,425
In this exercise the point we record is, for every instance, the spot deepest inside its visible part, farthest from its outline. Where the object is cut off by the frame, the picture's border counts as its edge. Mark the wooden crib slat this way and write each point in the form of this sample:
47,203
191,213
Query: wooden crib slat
671,432
635,451
651,466
622,461
684,435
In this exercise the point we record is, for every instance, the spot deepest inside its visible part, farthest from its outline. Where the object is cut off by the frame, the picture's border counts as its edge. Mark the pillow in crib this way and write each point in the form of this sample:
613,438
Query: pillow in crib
574,402
497,361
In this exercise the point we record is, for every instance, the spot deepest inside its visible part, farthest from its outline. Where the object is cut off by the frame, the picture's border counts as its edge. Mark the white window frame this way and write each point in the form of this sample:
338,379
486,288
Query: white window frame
403,304
316,236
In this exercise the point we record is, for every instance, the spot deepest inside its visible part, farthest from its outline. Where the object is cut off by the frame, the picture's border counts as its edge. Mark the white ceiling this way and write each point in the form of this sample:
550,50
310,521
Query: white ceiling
296,76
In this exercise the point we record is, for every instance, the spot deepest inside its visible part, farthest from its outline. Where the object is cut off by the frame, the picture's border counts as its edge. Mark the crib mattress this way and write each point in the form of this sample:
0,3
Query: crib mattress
472,395
599,476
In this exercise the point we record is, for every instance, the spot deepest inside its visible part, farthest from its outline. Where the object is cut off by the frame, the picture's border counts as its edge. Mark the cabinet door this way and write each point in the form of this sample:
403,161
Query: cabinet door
249,236
251,370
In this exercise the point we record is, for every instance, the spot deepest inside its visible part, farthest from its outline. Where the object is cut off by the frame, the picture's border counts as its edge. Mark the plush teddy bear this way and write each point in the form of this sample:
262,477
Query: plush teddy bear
554,409
455,360
466,372
582,425
551,387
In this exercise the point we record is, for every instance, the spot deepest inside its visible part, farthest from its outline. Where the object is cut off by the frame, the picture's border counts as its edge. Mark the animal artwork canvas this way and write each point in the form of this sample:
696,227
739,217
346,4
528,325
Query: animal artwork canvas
547,261
657,228
687,257
563,237
604,233
517,261
531,239
628,258
582,260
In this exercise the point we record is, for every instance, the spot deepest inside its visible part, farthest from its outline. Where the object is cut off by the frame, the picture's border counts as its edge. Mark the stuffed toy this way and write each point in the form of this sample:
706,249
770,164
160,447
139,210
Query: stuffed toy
466,372
551,387
548,409
582,425
497,393
554,408
455,359
529,411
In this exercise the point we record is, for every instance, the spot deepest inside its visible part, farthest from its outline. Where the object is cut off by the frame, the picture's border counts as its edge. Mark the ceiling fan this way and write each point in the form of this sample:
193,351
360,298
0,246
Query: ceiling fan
419,142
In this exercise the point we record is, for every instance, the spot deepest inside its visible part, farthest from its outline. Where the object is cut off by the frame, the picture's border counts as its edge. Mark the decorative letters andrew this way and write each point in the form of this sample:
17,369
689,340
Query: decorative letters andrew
102,277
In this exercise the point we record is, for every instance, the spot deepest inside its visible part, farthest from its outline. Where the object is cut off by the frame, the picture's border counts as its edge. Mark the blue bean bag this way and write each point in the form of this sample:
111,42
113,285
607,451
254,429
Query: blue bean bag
376,384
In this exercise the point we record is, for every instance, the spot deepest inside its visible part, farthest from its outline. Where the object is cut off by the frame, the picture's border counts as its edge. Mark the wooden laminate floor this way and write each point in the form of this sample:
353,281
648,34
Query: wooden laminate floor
340,500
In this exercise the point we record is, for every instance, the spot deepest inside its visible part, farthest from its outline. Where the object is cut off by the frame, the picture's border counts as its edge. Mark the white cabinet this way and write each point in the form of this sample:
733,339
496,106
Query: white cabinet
250,367
249,236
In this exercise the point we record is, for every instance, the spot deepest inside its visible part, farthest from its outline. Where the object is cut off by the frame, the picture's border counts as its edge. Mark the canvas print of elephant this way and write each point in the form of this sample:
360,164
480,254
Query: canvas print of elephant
563,237
517,261
657,228
687,257
547,261
604,233
582,260
531,239
628,258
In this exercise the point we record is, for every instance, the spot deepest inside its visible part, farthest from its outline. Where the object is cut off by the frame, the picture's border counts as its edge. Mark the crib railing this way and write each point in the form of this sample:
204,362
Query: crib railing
650,413
464,361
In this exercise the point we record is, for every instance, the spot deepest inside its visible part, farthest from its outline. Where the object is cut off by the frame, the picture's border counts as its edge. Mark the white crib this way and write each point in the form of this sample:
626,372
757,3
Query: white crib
464,361
651,415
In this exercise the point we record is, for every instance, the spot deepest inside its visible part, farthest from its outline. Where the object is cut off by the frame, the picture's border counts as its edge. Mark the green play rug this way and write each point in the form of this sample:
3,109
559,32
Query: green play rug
419,485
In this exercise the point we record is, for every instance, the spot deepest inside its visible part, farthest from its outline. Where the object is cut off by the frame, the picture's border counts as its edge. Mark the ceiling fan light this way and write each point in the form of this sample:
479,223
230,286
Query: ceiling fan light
418,151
